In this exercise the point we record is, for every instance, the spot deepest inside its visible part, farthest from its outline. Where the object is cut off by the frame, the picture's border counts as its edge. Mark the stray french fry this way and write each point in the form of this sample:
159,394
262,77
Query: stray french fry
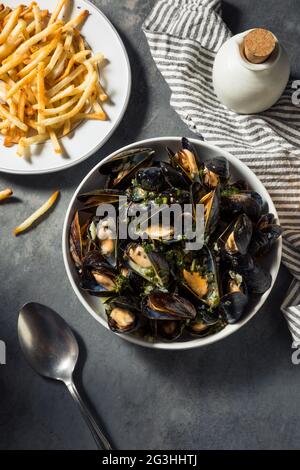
36,215
5,194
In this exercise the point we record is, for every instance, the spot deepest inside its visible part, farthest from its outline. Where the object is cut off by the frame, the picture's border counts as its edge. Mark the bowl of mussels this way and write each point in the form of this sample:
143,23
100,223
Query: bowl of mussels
150,284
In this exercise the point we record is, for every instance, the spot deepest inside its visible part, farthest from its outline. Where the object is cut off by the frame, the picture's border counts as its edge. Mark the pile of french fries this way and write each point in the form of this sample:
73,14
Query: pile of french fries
49,78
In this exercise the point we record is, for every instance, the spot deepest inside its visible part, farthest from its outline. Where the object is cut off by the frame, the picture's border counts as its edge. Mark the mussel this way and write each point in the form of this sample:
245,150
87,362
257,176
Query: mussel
77,238
173,177
265,234
258,280
164,306
187,161
101,196
123,167
242,202
236,238
205,323
106,233
235,297
98,278
216,171
151,179
199,277
148,264
211,202
122,314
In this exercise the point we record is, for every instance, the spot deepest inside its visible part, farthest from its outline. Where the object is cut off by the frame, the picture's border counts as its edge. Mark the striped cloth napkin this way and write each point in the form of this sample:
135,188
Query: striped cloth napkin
184,36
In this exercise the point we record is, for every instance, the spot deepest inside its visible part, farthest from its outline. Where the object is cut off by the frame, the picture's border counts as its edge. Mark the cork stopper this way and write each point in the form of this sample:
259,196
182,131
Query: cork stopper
258,45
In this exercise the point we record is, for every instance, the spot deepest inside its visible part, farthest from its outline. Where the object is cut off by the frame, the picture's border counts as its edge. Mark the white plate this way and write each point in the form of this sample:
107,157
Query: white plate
89,136
94,180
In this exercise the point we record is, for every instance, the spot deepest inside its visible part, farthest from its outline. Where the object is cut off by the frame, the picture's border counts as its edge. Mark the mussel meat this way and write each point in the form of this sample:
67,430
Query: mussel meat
199,276
122,314
216,171
236,238
148,264
98,277
186,160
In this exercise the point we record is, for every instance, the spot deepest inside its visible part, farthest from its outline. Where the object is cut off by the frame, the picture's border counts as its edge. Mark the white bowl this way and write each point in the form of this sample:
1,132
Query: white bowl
94,180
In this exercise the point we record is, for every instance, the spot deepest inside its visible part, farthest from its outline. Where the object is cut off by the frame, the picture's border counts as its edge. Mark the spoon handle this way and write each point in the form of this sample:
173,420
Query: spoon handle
98,434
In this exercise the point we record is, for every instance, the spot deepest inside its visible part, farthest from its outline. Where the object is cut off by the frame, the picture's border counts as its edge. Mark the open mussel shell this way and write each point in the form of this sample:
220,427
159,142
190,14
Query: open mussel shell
122,168
235,298
199,277
174,178
237,236
265,234
98,278
211,202
164,306
247,202
205,323
77,238
170,330
151,266
101,196
107,239
122,314
216,171
186,160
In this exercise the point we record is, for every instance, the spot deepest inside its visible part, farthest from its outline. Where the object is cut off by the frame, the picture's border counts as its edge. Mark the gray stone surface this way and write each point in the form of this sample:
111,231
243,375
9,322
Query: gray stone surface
242,393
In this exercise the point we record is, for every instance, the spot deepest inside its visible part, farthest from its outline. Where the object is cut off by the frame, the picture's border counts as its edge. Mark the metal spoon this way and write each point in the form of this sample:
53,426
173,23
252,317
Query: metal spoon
51,349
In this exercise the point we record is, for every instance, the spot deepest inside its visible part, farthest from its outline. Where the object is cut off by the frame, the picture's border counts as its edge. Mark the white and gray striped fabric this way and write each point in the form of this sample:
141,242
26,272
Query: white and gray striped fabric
184,36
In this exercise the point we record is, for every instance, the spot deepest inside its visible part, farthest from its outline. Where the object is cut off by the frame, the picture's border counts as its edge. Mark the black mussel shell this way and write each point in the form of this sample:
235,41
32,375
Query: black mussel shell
102,196
94,268
237,236
258,280
151,179
216,170
170,330
122,314
247,202
205,322
265,235
235,298
164,306
128,158
175,178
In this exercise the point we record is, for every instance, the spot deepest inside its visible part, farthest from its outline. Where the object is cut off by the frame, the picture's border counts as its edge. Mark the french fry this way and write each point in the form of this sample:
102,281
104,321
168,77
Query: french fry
75,22
5,194
57,11
13,119
37,19
11,23
55,142
36,215
41,96
21,83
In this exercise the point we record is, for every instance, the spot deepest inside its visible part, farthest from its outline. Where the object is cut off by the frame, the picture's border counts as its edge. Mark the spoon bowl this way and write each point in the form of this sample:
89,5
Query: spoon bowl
47,342
51,349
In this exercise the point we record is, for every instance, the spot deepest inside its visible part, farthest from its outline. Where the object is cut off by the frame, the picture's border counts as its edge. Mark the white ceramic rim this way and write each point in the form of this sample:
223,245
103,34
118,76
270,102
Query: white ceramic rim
194,343
109,134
